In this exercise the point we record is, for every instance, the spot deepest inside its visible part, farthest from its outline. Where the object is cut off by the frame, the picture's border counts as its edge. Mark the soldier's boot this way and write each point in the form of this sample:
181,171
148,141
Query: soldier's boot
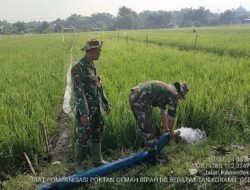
80,155
96,155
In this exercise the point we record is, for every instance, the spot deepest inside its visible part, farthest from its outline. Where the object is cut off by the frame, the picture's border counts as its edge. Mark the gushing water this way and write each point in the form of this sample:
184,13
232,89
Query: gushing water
192,136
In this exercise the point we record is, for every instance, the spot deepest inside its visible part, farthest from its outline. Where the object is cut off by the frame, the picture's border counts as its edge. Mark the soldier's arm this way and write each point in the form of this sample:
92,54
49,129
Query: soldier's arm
168,117
164,119
171,116
80,97
170,121
105,102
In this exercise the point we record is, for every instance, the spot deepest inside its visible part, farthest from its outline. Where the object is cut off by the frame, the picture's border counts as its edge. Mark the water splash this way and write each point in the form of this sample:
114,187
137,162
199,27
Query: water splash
192,136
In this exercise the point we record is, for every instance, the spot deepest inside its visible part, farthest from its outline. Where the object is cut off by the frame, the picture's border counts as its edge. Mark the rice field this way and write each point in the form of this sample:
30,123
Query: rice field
226,40
216,103
32,86
215,65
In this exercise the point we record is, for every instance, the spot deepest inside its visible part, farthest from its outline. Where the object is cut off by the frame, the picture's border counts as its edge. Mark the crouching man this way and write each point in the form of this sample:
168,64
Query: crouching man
147,95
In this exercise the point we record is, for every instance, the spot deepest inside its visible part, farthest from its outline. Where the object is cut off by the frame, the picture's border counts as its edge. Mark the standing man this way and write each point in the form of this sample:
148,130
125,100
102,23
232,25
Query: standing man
89,95
150,94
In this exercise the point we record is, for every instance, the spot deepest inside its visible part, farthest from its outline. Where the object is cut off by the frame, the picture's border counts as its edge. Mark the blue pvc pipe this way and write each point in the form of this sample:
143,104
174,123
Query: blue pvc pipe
64,183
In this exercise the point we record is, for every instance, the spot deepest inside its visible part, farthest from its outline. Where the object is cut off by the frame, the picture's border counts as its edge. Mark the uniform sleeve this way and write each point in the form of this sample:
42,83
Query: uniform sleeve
164,110
104,99
105,102
172,107
80,98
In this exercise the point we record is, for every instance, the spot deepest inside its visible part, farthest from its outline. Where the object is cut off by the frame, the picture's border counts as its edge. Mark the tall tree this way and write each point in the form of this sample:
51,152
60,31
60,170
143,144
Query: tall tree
75,20
227,17
102,20
159,19
44,28
5,27
58,25
126,18
142,19
19,27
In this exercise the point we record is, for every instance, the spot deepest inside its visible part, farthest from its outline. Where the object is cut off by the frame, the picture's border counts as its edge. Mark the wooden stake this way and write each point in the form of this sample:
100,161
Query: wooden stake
147,40
30,164
196,37
45,136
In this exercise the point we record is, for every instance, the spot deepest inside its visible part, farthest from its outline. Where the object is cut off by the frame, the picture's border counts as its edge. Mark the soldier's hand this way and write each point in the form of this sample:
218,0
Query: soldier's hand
167,130
85,120
108,110
172,136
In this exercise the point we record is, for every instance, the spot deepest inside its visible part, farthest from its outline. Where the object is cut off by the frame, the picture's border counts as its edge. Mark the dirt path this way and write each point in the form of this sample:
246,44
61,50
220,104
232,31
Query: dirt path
63,148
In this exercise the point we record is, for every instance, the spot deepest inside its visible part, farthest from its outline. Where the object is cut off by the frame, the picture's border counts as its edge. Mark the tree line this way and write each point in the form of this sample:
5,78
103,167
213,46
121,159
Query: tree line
129,19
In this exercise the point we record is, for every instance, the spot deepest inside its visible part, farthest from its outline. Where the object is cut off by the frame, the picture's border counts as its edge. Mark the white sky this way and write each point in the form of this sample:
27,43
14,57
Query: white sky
31,10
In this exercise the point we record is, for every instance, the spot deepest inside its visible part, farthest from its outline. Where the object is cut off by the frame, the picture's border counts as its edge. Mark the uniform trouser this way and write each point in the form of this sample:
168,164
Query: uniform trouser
142,111
92,132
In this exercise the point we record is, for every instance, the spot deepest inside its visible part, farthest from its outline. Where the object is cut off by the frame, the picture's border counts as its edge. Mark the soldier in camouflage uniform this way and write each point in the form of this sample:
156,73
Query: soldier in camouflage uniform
89,95
150,94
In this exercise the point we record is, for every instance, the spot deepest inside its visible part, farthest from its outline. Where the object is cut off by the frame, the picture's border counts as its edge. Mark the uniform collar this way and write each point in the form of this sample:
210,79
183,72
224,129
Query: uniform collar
86,61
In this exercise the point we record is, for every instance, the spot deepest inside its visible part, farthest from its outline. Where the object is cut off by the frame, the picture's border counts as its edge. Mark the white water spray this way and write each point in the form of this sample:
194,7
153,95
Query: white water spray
192,136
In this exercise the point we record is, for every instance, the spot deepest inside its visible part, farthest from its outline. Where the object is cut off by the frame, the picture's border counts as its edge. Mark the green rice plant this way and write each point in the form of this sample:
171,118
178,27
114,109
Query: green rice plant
32,84
215,88
231,40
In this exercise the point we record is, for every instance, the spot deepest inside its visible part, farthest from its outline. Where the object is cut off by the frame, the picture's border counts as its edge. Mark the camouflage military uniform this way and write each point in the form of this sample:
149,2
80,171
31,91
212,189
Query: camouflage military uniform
89,95
150,94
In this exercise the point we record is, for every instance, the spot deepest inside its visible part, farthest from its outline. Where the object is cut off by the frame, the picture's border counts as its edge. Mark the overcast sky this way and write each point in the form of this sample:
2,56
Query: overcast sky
49,10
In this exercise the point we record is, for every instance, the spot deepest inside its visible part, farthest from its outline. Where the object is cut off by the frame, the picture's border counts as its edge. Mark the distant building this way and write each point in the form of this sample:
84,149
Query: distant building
170,25
69,29
246,21
97,29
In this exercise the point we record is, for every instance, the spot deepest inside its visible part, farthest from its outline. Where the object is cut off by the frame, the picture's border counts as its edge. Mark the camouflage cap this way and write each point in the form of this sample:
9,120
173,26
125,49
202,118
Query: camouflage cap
93,43
182,88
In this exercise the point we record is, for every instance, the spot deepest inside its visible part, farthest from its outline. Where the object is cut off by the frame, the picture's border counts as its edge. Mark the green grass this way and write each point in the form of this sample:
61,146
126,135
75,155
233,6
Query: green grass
32,86
218,101
232,41
179,159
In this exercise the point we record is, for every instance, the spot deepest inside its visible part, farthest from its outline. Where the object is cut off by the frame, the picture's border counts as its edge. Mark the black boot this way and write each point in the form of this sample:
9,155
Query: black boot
80,154
96,155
